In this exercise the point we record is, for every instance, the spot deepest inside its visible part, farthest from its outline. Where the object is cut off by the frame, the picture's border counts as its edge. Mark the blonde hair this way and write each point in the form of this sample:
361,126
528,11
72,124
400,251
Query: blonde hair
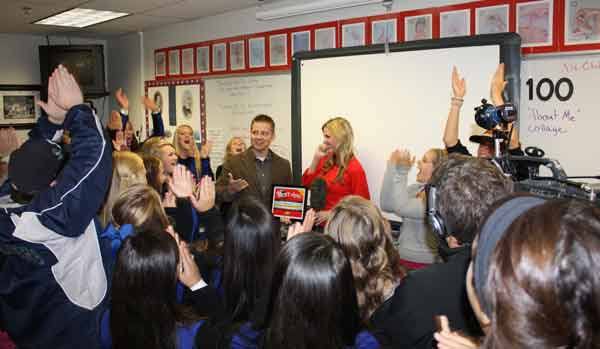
140,206
152,145
364,235
179,150
128,169
228,154
440,155
340,129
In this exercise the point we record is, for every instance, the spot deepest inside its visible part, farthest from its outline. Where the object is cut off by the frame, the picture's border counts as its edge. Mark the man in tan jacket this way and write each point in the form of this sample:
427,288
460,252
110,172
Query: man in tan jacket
253,172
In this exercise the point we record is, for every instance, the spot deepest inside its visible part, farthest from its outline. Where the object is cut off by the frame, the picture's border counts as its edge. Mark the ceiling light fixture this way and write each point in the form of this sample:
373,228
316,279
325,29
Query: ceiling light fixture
80,18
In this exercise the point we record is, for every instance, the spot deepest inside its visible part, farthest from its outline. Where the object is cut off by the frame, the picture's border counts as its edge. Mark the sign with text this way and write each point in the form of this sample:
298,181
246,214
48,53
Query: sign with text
289,201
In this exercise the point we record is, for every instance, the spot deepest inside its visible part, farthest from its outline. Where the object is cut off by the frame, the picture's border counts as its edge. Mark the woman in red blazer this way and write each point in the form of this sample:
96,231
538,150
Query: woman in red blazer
334,162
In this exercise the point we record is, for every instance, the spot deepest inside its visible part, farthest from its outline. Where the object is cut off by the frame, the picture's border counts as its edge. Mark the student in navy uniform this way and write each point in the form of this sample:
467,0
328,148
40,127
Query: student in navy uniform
313,301
52,281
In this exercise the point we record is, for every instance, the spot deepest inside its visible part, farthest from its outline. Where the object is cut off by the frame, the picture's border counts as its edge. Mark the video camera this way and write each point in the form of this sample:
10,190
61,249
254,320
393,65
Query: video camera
525,170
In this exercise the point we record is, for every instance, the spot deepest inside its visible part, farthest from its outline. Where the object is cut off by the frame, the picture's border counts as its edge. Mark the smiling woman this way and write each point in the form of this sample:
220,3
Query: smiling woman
335,164
416,243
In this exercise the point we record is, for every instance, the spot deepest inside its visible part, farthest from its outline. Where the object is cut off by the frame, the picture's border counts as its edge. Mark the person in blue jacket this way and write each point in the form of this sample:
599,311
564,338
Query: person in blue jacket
52,280
312,301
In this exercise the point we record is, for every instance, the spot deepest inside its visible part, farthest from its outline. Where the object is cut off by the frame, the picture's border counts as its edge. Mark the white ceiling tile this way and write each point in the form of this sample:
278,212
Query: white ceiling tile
129,6
192,9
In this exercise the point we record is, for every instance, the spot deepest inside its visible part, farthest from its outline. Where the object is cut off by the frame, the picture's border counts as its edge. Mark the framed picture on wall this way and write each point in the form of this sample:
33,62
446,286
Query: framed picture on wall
353,34
174,67
278,49
417,27
219,57
256,52
300,41
203,59
18,105
455,23
384,31
534,23
582,22
187,61
325,38
492,19
160,64
237,57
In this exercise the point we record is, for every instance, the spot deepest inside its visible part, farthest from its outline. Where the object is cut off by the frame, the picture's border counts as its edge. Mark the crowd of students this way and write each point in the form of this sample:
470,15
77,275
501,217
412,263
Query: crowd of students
112,242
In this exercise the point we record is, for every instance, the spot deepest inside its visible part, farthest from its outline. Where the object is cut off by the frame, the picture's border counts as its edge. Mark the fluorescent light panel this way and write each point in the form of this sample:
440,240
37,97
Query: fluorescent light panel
80,18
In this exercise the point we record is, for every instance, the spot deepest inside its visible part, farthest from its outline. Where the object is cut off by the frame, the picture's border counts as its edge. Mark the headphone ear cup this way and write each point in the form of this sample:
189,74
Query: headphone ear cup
433,217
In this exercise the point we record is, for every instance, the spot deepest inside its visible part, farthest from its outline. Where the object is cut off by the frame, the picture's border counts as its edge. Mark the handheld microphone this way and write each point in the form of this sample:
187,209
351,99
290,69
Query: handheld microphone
318,192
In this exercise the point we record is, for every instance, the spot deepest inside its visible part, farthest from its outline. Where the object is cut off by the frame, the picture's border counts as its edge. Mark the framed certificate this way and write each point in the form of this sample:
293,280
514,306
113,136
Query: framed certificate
289,201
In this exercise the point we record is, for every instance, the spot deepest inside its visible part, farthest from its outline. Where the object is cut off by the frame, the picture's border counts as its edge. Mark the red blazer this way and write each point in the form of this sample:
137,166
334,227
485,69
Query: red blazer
354,181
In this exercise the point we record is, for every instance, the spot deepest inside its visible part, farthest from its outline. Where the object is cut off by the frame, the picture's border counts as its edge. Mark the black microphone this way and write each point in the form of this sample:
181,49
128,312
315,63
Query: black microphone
318,192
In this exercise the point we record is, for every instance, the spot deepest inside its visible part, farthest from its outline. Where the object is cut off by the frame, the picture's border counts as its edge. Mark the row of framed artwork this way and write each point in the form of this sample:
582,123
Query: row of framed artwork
544,25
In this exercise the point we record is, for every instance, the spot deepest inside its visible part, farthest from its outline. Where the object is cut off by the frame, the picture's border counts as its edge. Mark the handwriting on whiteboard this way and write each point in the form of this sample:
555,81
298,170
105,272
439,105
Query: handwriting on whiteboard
553,123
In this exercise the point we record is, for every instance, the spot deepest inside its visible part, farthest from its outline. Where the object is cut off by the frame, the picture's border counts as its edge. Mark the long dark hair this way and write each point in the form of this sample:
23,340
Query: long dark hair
251,246
144,313
313,301
543,284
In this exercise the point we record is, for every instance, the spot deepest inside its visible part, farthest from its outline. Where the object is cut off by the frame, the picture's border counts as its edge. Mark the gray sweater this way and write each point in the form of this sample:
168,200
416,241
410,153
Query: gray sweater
416,242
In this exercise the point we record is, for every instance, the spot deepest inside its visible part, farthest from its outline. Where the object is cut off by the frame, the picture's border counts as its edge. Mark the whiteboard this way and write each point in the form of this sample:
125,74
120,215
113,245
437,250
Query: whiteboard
394,100
566,130
232,103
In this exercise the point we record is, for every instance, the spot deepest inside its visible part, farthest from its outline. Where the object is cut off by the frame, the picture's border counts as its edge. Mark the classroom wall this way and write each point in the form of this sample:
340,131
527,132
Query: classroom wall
20,64
125,63
244,22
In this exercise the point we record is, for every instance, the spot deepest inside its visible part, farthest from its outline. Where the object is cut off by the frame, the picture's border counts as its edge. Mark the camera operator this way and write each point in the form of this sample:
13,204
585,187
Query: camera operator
486,141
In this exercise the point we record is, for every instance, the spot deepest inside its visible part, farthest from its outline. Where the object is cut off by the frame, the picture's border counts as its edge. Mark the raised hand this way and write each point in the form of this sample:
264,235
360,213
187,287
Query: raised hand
205,149
236,185
149,104
206,195
459,85
497,86
119,141
9,141
66,92
115,122
56,115
122,99
402,157
182,183
305,227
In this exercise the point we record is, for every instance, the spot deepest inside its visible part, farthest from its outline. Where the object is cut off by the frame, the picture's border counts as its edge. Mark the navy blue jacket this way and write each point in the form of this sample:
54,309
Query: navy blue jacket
52,280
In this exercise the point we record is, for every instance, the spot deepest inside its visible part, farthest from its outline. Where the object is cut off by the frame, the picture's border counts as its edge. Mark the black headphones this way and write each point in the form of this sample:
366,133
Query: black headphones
433,216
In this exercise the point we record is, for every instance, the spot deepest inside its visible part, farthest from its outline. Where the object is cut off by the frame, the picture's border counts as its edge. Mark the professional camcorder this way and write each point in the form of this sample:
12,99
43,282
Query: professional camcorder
525,170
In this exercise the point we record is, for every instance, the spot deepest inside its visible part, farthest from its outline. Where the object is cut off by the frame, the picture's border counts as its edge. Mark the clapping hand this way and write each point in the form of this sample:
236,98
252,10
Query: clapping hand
205,199
119,141
236,185
205,149
402,158
182,182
